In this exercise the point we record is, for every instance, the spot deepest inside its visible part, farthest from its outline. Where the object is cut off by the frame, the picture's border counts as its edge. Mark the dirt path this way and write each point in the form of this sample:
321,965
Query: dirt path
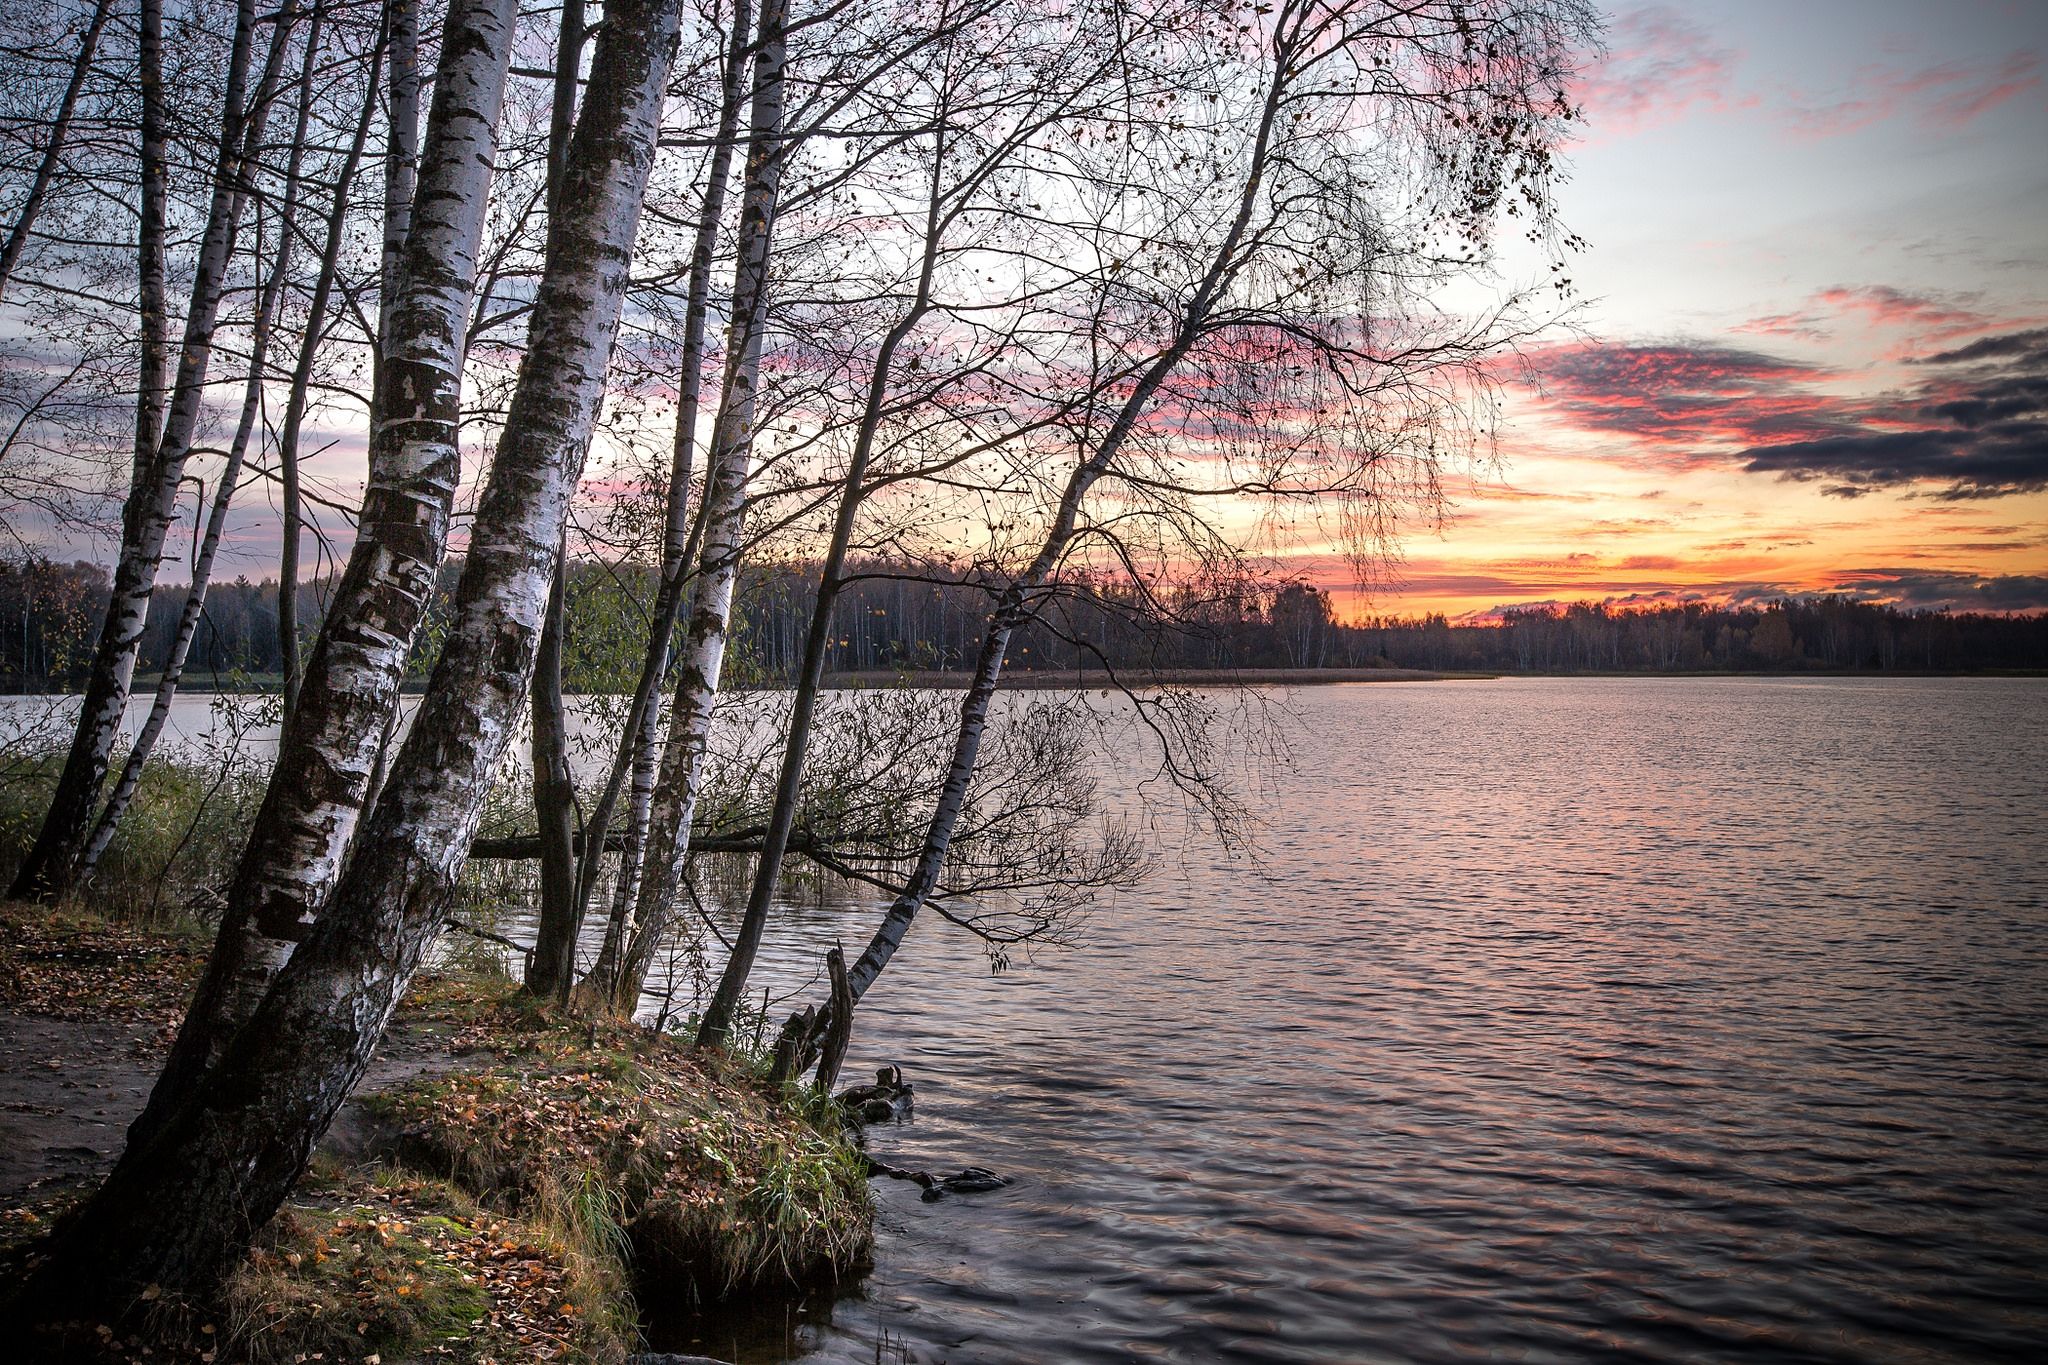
69,1088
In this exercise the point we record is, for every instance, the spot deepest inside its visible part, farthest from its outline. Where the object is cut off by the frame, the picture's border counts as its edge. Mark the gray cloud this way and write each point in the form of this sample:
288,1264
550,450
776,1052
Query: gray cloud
1942,588
1978,425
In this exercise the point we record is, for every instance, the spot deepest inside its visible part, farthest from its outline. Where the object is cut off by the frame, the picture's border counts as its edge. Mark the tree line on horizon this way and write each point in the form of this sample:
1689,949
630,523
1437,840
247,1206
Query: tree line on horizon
913,617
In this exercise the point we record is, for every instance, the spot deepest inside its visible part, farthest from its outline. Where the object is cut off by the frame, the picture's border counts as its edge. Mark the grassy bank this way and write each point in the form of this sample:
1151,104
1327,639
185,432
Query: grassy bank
519,1197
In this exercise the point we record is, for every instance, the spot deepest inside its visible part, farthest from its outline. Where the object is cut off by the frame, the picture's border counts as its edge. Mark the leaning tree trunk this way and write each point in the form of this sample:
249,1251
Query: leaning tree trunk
739,962
551,971
551,964
806,1030
53,152
180,1208
628,951
224,491
301,386
302,829
52,862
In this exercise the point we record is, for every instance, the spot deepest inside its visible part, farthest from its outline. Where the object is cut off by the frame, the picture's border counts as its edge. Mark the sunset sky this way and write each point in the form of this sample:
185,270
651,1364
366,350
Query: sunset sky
1817,307
1812,352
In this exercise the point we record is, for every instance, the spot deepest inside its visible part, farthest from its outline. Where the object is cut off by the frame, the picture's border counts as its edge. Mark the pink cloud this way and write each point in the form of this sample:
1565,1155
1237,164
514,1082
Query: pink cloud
1683,404
1658,66
1945,98
1881,307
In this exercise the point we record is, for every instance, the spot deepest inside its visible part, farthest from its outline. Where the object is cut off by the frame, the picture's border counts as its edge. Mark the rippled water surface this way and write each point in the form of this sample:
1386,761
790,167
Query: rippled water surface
1564,1020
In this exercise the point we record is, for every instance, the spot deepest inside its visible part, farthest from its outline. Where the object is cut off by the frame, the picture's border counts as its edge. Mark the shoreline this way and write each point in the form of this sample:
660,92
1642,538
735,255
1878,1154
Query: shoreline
1041,680
1049,679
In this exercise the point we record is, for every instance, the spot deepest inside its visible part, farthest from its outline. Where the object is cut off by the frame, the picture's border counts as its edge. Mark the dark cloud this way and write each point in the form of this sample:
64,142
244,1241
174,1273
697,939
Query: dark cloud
1940,588
2012,345
1974,463
1978,426
1974,425
1681,399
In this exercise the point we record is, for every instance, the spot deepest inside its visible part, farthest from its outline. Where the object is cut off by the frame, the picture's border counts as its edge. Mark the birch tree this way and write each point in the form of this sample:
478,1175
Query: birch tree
702,656
180,1207
551,971
225,482
335,732
146,518
1304,305
291,514
977,130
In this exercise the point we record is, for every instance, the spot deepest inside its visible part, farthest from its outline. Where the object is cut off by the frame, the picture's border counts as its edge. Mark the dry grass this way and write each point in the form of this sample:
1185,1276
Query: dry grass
404,1267
521,1200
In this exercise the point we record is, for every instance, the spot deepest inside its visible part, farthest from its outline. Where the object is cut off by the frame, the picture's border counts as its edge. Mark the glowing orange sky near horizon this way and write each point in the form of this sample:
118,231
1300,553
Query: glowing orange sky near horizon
1791,211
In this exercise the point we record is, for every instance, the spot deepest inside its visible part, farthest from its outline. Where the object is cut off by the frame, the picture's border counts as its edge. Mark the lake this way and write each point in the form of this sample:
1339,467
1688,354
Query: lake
1620,1019
1557,1020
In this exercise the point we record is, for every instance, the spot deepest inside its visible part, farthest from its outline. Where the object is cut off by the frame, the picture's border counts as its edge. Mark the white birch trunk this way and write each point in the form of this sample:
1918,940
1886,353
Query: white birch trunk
224,490
326,752
401,157
153,335
180,1207
52,862
739,963
640,743
702,657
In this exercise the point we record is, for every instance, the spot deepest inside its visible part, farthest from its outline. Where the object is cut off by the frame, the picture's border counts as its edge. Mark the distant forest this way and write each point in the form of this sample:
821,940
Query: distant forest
910,617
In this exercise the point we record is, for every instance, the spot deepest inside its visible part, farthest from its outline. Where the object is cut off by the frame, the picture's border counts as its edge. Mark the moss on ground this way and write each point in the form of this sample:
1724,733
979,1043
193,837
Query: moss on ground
407,1268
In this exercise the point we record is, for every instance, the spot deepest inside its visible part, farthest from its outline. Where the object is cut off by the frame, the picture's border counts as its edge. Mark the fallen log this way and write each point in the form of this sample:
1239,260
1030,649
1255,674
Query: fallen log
526,847
968,1180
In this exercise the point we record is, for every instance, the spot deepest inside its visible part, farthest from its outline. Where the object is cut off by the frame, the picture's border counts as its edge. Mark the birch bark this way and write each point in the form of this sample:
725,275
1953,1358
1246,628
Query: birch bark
739,963
230,475
149,243
554,790
401,167
628,951
553,965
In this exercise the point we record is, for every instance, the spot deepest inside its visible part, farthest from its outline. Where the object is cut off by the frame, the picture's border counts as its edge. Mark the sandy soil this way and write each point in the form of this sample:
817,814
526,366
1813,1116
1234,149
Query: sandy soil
70,1087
